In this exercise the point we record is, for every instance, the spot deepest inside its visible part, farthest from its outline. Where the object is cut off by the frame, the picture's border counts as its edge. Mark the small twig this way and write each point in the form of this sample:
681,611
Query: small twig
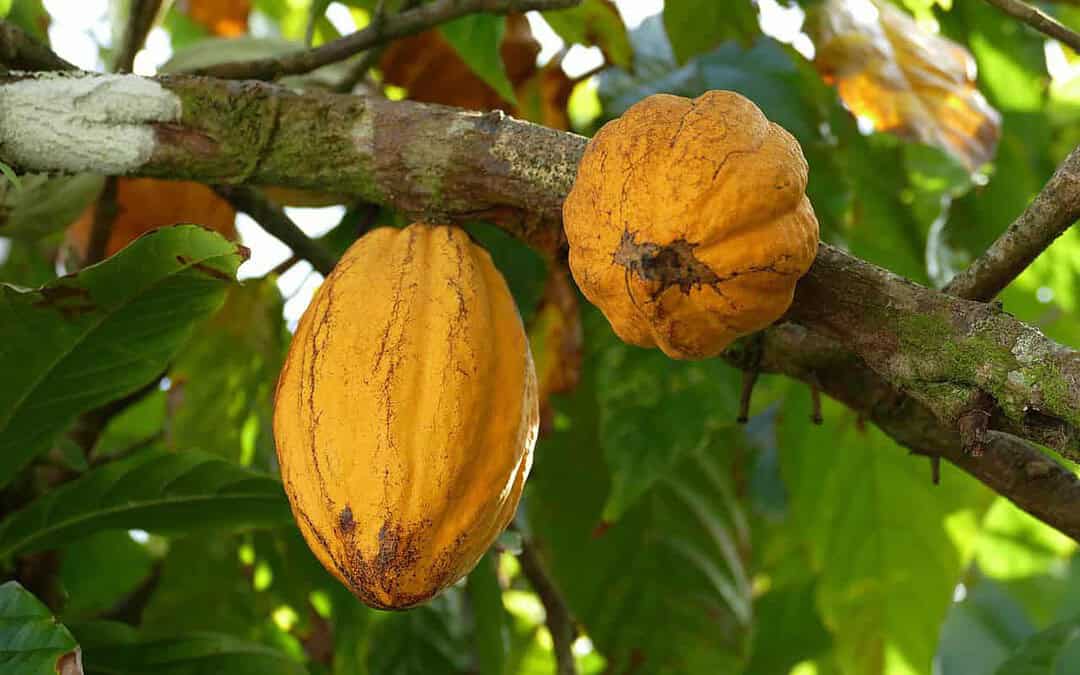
19,51
746,392
557,614
139,22
815,405
407,23
935,470
1039,20
1052,212
284,266
359,70
273,219
105,212
755,348
129,609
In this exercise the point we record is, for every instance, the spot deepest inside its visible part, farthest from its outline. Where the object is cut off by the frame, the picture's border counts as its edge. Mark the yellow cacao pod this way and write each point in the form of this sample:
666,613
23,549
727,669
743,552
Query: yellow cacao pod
406,414
688,222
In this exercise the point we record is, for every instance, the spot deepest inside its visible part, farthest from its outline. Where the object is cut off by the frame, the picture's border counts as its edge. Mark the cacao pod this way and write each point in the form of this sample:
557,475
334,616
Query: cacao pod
406,414
688,222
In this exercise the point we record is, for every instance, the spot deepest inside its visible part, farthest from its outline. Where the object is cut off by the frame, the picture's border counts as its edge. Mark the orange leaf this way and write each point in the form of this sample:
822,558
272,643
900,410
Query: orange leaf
429,68
905,80
555,338
143,204
225,18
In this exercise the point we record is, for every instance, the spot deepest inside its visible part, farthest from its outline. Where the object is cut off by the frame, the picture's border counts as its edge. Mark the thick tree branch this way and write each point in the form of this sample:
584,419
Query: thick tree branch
911,358
401,25
19,51
1039,20
1052,212
942,351
1011,467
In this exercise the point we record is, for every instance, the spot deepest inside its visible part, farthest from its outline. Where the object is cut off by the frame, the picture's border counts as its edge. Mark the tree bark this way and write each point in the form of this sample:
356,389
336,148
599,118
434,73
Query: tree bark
913,359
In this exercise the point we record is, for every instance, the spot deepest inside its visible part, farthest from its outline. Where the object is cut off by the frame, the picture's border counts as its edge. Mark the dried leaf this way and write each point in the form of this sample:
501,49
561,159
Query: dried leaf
905,80
143,204
556,340
429,68
224,18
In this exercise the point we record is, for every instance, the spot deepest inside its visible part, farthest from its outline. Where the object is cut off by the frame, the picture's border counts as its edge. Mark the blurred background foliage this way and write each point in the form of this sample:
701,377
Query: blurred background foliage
681,541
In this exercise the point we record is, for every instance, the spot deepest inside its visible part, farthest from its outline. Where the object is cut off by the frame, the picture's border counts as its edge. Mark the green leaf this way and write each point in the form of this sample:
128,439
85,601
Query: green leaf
137,425
117,649
29,264
8,172
888,544
594,23
223,379
428,639
1013,544
30,15
1044,653
99,570
41,206
791,630
204,586
154,490
31,641
655,411
83,340
982,629
489,616
476,38
664,587
695,27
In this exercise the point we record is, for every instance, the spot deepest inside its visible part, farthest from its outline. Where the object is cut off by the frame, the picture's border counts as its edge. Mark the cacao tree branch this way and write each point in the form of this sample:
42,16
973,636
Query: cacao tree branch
393,27
1054,210
556,613
19,51
140,20
909,357
273,219
1039,20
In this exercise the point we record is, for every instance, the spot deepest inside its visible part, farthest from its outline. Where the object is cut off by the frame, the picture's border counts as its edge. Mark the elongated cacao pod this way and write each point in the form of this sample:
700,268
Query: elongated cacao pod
406,414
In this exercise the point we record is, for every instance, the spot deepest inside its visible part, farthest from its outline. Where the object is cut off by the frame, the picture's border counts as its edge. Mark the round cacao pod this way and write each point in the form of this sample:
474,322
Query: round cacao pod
688,222
406,414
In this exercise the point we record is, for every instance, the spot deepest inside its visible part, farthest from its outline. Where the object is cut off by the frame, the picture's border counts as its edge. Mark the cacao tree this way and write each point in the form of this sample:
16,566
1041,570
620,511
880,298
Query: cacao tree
288,314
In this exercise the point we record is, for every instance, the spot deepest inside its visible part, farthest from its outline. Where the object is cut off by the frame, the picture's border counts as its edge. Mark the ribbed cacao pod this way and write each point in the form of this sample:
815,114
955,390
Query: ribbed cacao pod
406,414
688,222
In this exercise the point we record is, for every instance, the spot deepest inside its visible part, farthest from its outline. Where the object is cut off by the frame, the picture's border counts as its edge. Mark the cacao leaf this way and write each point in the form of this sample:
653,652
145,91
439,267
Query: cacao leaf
222,382
476,39
153,490
906,81
594,23
888,544
227,18
1045,652
489,615
660,589
88,338
31,641
695,27
118,649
